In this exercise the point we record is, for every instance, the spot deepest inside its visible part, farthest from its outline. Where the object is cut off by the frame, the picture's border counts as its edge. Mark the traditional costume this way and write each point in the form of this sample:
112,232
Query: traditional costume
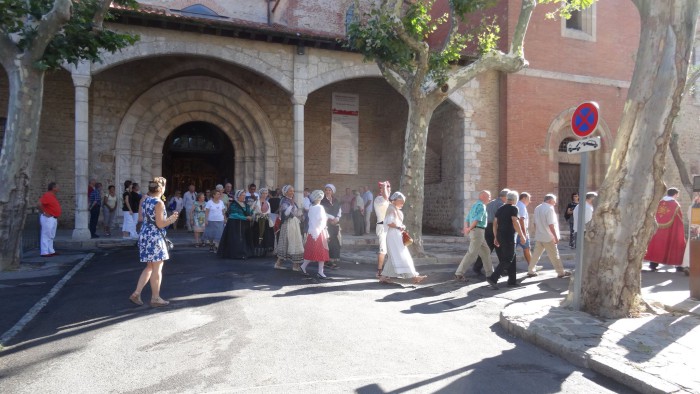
668,243
316,247
236,238
290,245
334,211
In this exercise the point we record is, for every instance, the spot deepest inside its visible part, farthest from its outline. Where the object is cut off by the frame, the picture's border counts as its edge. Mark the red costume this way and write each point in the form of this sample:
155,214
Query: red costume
668,243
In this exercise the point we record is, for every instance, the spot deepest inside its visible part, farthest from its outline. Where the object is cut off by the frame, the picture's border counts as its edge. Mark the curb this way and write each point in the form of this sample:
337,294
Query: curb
586,357
29,316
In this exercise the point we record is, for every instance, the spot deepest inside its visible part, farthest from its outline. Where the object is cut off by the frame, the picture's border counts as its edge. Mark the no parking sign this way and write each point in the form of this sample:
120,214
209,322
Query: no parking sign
585,119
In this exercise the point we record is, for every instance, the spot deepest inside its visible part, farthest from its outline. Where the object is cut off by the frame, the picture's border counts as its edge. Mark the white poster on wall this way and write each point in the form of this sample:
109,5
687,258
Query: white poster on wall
345,124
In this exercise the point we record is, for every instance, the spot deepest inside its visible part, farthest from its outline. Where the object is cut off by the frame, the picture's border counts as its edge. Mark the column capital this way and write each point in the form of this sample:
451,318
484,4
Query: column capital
299,100
81,74
81,81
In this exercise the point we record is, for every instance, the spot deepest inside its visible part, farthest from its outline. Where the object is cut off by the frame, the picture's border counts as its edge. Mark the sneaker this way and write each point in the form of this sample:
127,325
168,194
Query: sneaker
532,274
566,274
492,283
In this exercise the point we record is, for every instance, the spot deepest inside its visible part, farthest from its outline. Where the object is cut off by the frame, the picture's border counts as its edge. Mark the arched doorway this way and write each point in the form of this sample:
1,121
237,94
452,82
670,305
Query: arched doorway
200,154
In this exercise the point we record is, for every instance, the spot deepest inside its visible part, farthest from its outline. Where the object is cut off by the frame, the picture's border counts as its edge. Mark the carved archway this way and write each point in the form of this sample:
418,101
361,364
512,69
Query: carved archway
152,117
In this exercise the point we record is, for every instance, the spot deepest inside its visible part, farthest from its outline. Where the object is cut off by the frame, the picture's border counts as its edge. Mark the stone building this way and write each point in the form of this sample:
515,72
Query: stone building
242,90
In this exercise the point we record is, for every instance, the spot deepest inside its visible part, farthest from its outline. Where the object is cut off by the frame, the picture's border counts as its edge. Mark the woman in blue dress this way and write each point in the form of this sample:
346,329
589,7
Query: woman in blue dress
153,249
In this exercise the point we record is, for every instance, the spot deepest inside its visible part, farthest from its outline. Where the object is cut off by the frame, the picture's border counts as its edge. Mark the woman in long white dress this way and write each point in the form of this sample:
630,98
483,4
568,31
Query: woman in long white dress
400,262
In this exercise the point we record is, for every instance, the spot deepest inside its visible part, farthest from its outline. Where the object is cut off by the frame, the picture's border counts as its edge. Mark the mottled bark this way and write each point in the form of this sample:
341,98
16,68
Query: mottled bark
420,111
617,237
26,85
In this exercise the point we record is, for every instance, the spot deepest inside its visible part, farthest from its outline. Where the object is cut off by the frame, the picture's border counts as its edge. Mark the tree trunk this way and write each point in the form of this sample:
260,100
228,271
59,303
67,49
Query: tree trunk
413,171
26,84
617,237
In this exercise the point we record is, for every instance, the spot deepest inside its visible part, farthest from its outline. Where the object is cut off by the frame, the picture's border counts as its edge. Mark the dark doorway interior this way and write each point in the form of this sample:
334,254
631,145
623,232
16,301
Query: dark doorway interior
197,153
569,175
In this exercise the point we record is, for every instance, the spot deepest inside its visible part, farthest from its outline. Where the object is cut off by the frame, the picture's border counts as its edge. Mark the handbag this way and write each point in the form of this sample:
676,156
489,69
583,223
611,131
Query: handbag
407,240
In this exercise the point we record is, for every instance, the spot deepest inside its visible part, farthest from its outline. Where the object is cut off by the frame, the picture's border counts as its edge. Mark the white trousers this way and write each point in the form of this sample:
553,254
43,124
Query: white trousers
48,233
129,225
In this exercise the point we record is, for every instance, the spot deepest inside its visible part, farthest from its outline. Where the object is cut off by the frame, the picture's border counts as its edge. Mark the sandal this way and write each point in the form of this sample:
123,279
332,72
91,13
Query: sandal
136,299
566,274
379,273
385,279
158,302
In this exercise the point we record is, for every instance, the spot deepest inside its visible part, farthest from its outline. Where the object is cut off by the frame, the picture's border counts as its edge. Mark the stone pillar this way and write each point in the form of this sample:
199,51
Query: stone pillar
299,103
81,82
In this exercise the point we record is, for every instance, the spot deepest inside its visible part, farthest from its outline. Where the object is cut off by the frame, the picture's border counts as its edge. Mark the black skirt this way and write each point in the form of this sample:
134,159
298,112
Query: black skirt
236,240
334,241
263,238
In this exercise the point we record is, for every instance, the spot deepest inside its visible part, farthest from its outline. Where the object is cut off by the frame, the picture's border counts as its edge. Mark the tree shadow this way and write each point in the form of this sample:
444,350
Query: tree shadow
511,370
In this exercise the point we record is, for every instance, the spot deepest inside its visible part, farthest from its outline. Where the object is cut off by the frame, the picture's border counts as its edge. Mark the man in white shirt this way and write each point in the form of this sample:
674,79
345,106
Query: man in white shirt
547,237
368,198
188,199
381,203
524,219
590,196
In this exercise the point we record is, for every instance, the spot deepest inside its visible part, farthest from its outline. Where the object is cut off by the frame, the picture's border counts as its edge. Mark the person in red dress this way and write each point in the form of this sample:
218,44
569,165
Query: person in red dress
668,243
316,247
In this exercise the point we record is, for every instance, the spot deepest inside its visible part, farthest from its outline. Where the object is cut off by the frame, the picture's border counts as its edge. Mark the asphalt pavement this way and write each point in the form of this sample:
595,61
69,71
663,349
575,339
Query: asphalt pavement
242,326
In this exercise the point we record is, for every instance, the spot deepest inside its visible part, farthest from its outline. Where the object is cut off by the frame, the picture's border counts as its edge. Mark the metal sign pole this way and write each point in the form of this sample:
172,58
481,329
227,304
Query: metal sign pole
581,225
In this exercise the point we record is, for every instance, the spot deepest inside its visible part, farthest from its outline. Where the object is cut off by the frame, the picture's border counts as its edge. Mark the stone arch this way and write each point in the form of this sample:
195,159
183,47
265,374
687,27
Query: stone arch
560,129
158,111
246,56
360,70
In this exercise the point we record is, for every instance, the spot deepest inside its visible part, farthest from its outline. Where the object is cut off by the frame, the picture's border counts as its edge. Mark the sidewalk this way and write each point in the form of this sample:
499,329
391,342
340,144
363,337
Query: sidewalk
653,354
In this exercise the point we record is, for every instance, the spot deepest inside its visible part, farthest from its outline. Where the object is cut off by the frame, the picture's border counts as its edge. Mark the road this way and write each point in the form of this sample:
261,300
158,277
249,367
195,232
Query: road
244,327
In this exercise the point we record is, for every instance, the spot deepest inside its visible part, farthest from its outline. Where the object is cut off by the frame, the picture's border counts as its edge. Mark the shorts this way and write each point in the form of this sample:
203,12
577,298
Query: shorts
525,246
381,234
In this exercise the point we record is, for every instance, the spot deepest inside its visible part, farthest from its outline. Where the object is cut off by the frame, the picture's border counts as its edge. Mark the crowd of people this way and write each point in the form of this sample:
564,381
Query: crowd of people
247,223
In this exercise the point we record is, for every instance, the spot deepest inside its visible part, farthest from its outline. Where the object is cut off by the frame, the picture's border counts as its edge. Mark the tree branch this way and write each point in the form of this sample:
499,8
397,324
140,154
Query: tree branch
48,26
494,60
99,17
392,77
516,47
454,27
8,51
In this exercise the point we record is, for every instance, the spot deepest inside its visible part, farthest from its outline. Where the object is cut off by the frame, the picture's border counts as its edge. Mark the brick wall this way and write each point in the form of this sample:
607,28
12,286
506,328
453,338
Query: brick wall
383,114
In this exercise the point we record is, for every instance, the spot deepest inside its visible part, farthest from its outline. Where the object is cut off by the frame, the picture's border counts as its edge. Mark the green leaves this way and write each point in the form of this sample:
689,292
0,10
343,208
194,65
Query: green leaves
377,36
566,7
77,40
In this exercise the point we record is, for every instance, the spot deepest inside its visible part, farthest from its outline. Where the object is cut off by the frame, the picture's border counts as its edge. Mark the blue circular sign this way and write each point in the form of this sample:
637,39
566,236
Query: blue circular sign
585,119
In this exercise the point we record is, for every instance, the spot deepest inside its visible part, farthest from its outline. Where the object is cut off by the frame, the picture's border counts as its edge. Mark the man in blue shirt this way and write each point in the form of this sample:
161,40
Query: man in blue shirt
475,227
94,207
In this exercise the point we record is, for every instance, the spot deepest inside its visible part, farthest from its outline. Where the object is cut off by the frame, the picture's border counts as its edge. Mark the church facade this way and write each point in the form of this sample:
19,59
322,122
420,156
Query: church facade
243,91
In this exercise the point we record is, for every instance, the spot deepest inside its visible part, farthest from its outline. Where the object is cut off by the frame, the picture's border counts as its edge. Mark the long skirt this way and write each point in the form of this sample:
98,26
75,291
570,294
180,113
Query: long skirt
358,222
316,249
399,263
213,231
334,241
235,240
262,237
290,245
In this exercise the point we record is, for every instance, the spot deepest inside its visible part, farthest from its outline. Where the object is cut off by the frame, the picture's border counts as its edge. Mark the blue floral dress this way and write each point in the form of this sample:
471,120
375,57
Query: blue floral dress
152,245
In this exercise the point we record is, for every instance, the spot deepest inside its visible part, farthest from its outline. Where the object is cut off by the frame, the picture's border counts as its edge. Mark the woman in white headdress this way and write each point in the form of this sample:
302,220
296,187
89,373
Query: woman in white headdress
290,245
316,247
334,211
263,234
400,262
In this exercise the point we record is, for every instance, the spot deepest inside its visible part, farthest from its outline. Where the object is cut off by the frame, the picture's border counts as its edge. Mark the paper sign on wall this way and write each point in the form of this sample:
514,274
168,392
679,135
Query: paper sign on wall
345,124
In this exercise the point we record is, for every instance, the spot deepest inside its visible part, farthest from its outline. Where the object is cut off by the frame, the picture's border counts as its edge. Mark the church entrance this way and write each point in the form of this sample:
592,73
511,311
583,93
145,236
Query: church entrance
199,154
569,175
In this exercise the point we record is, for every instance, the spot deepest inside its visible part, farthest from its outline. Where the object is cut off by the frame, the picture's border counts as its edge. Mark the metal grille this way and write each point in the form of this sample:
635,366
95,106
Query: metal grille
568,183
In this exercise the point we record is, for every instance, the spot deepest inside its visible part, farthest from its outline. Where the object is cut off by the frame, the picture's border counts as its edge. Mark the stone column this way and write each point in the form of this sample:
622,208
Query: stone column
81,81
299,103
